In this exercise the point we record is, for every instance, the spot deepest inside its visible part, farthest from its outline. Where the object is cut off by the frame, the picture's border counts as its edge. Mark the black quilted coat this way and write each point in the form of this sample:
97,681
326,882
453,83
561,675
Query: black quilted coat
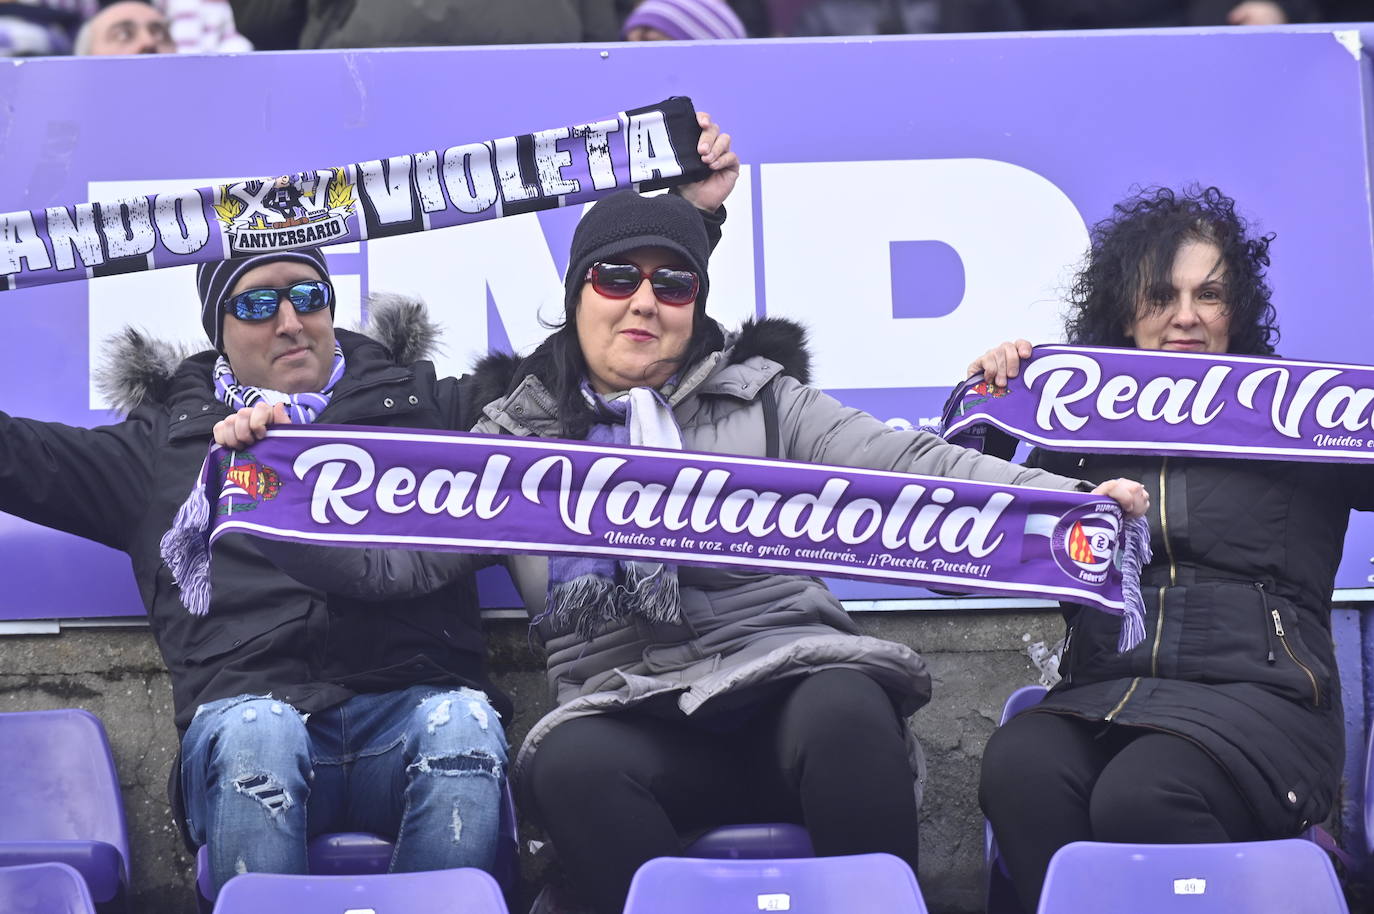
1237,655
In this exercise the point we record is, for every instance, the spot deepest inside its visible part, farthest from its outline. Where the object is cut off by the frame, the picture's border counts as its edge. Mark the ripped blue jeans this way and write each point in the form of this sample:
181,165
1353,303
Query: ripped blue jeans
423,766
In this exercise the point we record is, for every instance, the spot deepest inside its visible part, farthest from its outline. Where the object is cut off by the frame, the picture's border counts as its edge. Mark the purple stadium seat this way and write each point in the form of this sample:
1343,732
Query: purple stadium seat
364,854
61,802
1001,897
465,891
752,842
1257,877
44,888
861,884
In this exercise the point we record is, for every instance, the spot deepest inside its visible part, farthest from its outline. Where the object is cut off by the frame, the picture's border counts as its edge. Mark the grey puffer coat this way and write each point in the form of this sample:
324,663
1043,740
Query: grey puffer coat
740,630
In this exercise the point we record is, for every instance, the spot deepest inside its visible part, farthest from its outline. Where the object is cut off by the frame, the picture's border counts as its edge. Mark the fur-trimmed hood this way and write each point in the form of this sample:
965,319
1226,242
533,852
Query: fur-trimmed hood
775,338
136,368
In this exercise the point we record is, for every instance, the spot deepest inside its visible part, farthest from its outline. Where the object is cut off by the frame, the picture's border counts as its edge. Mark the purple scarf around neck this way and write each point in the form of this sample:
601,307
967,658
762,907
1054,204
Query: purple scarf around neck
185,547
587,592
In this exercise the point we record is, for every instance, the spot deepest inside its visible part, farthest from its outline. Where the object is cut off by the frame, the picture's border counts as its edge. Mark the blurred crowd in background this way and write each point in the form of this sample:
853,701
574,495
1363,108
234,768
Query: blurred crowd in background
94,27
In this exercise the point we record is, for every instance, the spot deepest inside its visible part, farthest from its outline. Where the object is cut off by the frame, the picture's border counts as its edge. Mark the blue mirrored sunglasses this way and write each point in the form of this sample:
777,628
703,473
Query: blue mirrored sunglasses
306,297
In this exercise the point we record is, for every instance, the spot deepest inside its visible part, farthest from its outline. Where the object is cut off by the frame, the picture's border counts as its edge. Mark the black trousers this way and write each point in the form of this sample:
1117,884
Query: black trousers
1049,780
616,790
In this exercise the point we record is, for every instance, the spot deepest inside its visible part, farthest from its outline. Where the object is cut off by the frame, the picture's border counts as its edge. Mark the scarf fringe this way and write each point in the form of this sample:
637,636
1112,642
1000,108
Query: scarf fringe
185,547
1135,555
651,592
590,602
587,594
586,603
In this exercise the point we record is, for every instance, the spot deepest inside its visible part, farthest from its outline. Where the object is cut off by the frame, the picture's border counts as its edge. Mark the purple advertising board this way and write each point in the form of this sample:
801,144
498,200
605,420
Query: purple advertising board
912,200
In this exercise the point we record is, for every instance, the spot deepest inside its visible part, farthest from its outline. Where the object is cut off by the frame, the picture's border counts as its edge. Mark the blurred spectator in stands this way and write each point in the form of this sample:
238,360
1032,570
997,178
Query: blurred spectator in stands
887,17
1013,15
757,16
288,24
31,28
203,26
1347,10
781,16
127,27
1259,12
868,17
682,20
761,18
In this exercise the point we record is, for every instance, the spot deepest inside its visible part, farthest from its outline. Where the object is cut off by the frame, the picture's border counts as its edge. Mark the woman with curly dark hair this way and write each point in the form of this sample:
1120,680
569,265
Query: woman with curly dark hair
1225,723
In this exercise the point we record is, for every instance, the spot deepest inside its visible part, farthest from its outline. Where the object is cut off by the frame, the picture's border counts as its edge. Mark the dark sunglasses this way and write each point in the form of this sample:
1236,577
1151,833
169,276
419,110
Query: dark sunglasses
306,297
621,280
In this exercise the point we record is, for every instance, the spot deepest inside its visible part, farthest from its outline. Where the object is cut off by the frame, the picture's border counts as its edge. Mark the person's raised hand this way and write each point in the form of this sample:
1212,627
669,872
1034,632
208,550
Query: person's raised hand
1133,498
249,425
1000,363
714,148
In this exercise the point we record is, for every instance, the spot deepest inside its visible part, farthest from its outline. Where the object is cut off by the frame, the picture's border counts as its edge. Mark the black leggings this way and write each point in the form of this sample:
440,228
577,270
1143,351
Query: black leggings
616,790
1049,780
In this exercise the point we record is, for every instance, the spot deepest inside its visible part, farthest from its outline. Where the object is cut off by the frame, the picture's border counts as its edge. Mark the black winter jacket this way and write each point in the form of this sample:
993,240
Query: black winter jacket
1237,655
121,485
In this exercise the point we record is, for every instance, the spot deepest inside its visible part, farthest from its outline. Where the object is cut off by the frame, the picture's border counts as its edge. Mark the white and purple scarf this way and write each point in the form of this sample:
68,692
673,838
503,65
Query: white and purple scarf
664,507
186,546
1140,401
588,592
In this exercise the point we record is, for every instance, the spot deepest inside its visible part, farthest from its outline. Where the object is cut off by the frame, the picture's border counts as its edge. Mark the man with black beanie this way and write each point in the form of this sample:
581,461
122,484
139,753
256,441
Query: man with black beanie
301,711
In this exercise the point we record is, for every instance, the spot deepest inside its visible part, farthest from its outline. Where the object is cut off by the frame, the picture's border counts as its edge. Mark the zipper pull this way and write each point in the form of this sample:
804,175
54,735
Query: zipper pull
1278,623
1259,586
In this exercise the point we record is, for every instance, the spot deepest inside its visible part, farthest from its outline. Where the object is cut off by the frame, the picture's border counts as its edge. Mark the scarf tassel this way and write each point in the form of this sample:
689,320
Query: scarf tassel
651,587
1135,554
586,603
185,548
590,602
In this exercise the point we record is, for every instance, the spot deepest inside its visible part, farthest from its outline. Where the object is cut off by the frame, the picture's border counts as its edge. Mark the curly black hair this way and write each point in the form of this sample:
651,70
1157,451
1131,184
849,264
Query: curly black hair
1131,256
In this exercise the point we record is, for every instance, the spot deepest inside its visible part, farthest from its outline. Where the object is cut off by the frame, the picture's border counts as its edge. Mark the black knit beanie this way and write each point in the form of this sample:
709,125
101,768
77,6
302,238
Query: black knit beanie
624,221
215,279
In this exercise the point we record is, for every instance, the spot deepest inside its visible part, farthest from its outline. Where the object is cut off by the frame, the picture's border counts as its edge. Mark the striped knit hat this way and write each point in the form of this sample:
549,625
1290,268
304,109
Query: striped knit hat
215,279
687,19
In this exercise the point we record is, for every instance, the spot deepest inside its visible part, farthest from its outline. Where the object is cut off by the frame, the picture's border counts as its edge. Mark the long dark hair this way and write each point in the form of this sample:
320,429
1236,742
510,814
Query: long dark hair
1132,254
558,364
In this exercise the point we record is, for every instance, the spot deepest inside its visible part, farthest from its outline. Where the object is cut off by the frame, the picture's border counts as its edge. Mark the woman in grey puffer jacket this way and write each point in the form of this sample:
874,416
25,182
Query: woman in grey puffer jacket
756,698
691,697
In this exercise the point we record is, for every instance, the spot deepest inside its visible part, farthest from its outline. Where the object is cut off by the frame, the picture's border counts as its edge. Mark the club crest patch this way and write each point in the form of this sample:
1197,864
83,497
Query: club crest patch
247,483
981,393
288,212
1082,539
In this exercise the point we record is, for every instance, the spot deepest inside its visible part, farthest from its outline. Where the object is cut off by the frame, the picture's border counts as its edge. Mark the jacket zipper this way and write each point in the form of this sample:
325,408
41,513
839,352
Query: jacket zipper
1173,569
1283,639
1173,579
1122,703
1067,668
1164,521
1268,635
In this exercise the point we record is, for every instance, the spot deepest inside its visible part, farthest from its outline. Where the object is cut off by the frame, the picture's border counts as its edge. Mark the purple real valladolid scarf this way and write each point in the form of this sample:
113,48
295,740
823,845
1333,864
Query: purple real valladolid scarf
350,486
1138,401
